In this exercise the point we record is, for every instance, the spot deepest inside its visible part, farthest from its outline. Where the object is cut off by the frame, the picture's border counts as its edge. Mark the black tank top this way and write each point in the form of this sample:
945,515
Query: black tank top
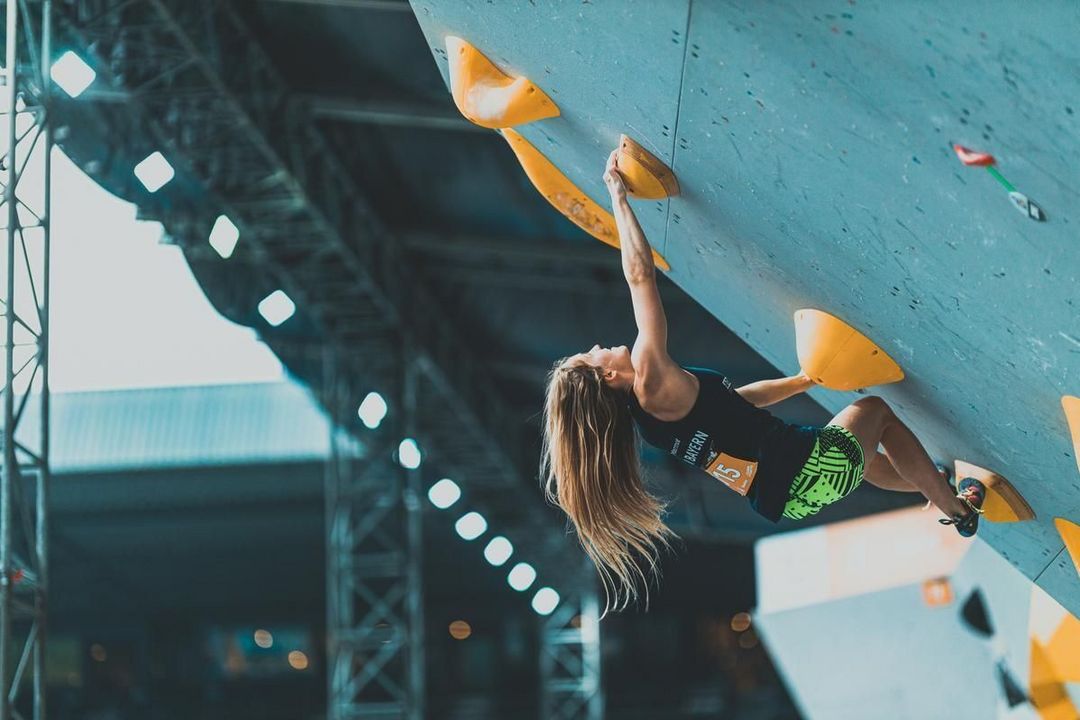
736,442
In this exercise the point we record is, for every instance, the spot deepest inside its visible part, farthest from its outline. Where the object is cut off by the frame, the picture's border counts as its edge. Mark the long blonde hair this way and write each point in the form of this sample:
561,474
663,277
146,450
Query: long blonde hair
591,469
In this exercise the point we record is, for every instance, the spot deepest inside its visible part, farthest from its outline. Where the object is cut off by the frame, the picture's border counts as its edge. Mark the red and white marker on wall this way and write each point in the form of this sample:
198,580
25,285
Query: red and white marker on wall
1020,201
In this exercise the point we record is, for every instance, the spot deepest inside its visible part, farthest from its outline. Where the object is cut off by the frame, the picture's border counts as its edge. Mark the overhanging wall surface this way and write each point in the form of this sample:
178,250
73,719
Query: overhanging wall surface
601,63
813,142
841,191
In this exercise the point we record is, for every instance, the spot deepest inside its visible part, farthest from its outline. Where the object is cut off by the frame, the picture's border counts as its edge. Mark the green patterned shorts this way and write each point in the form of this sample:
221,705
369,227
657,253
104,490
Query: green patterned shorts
834,469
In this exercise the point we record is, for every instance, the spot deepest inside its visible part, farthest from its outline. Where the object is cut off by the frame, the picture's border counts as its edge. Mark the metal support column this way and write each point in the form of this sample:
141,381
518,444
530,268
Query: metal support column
24,475
414,594
570,660
374,612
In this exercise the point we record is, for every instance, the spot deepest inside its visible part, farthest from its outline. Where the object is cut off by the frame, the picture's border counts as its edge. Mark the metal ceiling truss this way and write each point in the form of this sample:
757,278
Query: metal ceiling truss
223,116
25,305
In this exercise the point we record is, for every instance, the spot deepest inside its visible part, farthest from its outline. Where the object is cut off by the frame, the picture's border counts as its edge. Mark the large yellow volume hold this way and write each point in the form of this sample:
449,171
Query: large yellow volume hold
1047,691
567,197
489,97
838,356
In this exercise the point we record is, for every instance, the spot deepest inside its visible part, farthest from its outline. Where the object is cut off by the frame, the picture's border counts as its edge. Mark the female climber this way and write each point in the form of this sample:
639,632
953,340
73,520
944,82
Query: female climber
596,399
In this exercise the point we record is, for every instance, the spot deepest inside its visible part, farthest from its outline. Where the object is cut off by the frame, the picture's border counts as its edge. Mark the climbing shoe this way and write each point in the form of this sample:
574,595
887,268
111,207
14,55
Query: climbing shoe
972,493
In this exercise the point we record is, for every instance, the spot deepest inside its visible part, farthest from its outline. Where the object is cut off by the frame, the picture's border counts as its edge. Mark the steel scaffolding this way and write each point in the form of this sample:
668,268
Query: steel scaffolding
375,617
570,660
25,304
189,77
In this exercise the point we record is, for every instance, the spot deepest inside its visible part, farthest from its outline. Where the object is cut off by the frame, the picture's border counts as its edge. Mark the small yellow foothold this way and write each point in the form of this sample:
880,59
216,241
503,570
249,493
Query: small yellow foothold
1070,535
646,177
1072,417
1003,504
567,197
489,97
838,356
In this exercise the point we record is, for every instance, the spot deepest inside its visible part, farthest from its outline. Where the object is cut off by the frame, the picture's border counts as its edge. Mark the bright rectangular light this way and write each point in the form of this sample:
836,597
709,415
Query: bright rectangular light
372,410
223,236
72,74
545,601
444,493
471,526
154,172
521,577
498,551
277,307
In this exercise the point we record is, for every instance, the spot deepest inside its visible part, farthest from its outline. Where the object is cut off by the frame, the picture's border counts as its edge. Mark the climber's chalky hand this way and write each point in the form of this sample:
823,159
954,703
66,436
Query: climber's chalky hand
613,179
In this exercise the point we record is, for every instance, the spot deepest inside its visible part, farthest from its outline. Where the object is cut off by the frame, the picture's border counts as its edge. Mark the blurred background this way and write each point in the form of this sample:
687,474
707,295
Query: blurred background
300,314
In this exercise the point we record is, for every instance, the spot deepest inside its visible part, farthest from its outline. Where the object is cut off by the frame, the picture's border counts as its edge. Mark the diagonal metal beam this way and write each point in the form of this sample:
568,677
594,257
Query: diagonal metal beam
393,113
383,5
388,113
560,253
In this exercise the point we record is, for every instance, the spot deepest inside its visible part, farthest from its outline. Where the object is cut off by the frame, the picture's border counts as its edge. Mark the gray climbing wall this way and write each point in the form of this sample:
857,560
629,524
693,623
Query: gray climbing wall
813,142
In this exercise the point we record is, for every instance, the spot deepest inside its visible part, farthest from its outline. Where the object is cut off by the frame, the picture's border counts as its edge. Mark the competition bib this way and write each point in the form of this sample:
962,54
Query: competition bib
734,472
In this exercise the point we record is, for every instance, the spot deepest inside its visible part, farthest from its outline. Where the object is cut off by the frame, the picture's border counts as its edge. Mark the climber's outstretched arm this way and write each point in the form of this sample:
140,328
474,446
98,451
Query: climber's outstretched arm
653,366
769,392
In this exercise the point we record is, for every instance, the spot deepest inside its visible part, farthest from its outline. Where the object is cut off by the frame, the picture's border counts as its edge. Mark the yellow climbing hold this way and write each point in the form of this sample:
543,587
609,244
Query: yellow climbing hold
1003,503
489,97
565,196
1072,417
838,356
1070,535
1048,693
646,177
1063,650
